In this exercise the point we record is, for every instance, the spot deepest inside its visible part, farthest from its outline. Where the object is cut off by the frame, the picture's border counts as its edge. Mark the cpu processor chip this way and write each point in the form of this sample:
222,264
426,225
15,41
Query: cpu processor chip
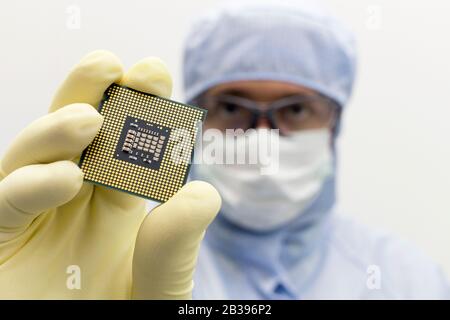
145,144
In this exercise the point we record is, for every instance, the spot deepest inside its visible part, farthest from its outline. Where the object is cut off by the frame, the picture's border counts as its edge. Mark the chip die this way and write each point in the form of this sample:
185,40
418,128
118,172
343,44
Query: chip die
145,144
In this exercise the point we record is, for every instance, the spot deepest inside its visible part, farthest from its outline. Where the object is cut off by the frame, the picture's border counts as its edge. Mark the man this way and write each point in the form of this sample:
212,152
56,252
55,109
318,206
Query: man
277,237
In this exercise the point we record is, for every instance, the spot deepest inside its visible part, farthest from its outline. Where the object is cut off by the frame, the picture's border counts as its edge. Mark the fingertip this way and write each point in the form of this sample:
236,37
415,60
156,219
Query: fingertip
88,79
72,129
74,177
36,188
149,75
60,135
200,203
88,119
102,61
199,191
83,109
64,177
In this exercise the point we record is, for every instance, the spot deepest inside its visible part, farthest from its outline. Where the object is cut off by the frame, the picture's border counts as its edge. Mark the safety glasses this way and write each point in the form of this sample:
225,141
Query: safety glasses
289,114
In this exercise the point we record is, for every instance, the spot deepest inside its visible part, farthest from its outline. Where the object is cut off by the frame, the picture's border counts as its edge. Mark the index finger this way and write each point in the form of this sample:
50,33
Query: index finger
88,80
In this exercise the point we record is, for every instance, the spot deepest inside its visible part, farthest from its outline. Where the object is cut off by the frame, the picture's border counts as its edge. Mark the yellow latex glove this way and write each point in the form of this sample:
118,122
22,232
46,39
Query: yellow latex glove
61,238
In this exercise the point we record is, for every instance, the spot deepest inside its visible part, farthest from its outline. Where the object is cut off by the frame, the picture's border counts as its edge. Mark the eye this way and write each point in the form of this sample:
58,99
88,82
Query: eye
229,108
296,109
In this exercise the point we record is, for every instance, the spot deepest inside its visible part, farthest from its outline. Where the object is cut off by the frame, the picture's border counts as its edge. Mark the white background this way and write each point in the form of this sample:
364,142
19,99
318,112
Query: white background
394,150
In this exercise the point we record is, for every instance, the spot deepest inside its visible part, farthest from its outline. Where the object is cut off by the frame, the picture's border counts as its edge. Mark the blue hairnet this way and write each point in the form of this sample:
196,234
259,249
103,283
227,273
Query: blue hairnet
291,41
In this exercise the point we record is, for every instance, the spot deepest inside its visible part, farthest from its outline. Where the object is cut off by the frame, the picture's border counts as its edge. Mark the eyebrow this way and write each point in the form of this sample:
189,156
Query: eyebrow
235,92
244,94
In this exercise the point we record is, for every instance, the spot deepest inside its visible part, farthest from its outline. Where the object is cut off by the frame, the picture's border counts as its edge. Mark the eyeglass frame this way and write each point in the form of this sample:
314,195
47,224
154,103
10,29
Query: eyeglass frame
272,107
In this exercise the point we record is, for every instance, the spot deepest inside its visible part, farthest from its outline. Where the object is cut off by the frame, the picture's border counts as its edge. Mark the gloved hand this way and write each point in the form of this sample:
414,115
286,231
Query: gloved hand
64,239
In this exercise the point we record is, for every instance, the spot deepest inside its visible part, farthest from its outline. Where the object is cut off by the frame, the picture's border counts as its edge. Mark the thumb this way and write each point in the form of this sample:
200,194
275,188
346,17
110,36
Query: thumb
167,244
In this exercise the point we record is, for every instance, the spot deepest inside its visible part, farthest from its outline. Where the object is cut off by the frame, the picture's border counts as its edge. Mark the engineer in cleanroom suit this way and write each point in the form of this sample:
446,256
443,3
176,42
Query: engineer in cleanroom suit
277,236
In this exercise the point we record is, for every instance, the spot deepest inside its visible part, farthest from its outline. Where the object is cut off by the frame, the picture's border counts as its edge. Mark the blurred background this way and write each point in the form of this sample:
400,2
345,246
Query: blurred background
394,150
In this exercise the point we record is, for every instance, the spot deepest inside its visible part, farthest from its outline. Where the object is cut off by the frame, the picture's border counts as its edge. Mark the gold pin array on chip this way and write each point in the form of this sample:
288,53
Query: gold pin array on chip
137,148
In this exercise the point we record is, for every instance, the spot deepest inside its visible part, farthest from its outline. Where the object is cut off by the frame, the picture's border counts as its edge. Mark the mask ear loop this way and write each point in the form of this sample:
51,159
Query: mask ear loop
336,126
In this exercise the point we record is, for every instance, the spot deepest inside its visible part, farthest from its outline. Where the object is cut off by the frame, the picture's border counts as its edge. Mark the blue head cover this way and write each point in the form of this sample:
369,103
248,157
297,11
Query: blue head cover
292,41
289,41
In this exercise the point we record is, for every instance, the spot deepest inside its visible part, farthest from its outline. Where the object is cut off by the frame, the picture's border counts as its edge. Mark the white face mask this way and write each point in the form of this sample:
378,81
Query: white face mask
267,202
